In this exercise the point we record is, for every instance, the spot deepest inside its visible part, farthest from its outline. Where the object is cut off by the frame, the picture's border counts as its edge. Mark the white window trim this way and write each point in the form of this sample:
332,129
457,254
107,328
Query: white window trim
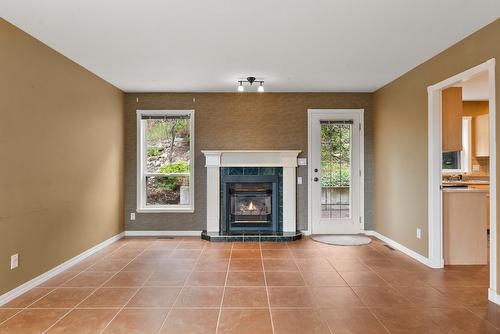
141,149
465,155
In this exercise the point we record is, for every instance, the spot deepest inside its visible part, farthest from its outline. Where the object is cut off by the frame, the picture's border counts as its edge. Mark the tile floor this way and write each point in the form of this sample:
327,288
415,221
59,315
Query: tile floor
186,285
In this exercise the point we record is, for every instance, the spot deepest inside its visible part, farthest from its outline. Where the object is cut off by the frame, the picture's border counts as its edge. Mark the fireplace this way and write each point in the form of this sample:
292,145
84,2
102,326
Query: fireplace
251,196
250,204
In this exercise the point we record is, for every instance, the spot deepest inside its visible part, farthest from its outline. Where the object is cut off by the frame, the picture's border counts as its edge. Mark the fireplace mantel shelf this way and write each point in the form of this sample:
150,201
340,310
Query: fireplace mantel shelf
251,158
287,159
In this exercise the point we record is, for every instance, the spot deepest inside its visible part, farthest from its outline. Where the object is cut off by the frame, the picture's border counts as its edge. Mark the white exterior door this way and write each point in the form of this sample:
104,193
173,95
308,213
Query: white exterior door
335,170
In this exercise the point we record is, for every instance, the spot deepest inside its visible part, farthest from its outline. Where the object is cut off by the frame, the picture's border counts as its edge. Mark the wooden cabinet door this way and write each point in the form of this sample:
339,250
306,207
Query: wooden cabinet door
482,134
452,111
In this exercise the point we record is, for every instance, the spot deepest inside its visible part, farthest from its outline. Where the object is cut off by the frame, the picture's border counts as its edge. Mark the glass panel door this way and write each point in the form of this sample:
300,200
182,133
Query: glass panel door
336,169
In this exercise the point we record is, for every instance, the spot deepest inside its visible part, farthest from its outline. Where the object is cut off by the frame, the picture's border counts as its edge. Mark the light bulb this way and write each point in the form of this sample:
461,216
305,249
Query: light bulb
240,87
261,88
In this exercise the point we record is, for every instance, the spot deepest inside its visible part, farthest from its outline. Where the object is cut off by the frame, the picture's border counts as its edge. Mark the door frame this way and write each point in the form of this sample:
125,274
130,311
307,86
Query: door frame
435,216
329,112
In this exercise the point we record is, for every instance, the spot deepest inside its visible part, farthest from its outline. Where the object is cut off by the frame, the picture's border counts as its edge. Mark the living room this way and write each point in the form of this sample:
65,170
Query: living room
170,167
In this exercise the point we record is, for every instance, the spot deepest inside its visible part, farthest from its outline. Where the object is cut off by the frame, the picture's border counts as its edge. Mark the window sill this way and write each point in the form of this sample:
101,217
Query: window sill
173,209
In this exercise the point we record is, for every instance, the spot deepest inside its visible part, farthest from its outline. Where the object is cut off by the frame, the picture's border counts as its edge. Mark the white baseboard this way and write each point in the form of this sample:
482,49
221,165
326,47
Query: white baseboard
8,296
493,296
401,248
305,232
162,233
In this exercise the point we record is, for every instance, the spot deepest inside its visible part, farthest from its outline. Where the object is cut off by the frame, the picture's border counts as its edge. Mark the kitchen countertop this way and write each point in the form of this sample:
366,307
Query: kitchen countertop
466,182
463,190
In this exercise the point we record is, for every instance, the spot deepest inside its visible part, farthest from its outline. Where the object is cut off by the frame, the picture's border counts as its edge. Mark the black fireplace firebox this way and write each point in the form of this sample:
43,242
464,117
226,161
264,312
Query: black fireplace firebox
249,204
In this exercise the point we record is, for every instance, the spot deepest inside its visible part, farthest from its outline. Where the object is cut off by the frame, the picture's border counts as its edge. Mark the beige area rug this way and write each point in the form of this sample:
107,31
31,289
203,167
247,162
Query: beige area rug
342,239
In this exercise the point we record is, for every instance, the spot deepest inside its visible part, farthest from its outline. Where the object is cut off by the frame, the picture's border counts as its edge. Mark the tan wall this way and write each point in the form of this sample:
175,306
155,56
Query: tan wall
251,121
61,153
474,109
400,137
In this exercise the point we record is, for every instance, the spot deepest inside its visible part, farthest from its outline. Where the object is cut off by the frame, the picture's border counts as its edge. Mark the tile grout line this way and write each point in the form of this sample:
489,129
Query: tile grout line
92,293
308,289
183,286
267,288
52,289
128,301
224,289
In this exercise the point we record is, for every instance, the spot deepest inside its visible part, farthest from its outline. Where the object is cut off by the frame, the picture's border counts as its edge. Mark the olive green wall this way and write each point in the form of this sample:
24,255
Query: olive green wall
61,153
400,138
252,121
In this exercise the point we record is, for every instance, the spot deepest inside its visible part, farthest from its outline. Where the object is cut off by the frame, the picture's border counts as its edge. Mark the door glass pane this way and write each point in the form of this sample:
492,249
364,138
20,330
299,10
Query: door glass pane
336,169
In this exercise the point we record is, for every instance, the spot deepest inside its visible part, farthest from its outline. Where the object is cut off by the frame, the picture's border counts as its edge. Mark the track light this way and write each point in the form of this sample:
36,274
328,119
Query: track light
251,80
261,88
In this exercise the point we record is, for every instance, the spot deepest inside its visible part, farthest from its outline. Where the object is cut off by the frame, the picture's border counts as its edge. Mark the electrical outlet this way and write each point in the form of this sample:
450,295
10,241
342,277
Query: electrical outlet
302,161
132,216
14,261
419,233
299,180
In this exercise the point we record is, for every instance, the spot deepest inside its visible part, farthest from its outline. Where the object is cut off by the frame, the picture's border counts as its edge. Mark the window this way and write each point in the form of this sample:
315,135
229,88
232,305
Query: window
460,161
165,164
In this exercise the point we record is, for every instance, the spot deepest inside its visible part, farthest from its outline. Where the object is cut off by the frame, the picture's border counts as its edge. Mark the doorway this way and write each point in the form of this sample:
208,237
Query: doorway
335,171
437,163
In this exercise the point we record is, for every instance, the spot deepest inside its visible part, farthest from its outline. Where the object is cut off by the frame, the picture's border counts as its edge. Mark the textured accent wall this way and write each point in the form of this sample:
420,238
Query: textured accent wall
400,128
246,121
61,153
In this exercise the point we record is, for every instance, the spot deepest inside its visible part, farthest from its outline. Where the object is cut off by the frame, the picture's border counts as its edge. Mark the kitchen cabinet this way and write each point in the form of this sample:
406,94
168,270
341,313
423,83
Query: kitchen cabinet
482,135
464,226
452,112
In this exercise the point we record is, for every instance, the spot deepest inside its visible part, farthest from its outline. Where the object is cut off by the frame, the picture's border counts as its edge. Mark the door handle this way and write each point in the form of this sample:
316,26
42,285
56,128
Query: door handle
316,179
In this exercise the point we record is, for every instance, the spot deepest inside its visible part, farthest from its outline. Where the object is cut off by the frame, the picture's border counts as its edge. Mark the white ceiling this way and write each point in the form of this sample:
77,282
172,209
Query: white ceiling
476,88
206,45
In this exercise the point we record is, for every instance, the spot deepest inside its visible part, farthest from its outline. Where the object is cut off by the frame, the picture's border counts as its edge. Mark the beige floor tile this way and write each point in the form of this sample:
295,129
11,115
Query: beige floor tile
298,321
89,279
109,297
245,297
28,298
238,264
335,297
137,321
87,321
245,321
191,321
280,265
128,279
207,278
154,297
200,297
32,321
245,278
290,297
284,278
323,278
348,320
63,298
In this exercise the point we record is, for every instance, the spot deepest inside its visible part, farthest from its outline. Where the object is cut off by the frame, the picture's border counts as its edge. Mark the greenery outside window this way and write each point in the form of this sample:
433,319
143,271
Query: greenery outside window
165,160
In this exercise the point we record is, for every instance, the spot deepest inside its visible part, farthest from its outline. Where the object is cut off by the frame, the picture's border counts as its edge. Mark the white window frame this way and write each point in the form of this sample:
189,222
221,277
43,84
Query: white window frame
141,164
465,155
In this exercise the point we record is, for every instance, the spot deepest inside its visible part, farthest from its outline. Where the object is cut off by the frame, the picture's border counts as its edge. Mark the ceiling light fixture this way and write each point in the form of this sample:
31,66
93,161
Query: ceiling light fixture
261,88
251,80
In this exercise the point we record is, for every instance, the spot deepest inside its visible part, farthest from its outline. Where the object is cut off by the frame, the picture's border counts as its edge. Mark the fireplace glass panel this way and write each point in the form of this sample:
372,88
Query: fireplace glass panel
251,203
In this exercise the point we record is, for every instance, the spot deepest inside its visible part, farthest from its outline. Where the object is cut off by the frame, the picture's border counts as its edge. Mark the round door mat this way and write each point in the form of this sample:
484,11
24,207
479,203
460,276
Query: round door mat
342,239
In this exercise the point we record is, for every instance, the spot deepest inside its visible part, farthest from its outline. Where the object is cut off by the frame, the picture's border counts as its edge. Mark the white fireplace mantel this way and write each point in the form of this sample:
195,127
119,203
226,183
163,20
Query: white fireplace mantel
287,159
